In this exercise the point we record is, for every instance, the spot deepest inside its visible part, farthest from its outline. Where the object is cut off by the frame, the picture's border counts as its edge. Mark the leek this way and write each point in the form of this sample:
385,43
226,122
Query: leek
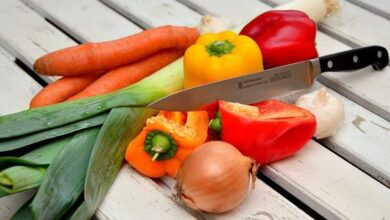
23,141
158,85
20,178
64,181
27,172
121,126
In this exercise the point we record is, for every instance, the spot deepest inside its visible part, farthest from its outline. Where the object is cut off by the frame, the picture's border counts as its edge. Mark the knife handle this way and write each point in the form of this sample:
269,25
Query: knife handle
376,56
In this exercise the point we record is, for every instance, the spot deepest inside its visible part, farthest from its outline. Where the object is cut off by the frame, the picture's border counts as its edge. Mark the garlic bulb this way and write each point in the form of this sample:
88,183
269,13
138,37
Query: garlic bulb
328,110
210,24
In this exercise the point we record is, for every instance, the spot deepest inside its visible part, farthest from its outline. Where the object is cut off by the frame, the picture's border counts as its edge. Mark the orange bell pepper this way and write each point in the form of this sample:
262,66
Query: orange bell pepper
166,141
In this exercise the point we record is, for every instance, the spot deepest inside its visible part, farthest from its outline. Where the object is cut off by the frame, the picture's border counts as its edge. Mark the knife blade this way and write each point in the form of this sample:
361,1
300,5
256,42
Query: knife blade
272,82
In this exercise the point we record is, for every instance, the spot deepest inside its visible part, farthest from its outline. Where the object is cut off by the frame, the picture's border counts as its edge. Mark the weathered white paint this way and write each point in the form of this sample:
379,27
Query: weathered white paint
27,35
133,196
85,19
151,13
260,203
380,7
240,13
334,188
16,89
363,139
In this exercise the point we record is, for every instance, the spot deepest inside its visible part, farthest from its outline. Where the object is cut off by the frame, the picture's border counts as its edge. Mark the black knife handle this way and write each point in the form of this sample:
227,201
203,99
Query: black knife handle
376,56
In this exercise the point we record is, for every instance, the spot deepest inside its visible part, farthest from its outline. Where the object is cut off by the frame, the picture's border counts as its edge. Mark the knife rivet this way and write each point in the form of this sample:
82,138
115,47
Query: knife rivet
330,64
379,54
355,59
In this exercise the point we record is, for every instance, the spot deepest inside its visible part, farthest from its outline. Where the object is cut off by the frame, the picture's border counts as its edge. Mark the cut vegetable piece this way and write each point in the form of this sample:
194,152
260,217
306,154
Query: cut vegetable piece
165,81
23,141
65,177
27,172
20,178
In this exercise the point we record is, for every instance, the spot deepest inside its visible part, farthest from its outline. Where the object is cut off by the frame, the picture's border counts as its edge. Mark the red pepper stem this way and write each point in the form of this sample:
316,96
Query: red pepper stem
219,48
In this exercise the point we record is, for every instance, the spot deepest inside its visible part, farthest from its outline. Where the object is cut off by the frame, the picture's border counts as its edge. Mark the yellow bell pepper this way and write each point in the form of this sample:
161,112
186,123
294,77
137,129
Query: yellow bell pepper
220,56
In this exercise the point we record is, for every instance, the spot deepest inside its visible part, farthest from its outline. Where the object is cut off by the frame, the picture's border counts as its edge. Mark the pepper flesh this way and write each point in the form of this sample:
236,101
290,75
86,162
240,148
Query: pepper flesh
220,56
284,36
266,131
187,137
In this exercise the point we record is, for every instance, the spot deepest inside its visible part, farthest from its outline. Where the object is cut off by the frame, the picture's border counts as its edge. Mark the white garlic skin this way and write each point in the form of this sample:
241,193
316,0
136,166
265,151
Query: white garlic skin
328,110
210,24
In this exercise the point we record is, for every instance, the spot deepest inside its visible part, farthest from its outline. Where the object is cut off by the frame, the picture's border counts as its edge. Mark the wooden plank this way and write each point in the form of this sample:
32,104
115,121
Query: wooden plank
363,139
334,188
119,199
16,89
133,196
238,14
86,19
379,7
261,203
27,35
151,13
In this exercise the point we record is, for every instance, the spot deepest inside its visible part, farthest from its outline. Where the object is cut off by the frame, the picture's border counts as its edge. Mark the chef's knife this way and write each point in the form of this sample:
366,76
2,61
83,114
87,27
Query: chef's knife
273,82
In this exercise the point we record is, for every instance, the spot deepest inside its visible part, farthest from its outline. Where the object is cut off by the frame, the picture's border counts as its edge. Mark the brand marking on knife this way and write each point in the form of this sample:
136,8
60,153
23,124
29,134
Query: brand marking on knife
260,80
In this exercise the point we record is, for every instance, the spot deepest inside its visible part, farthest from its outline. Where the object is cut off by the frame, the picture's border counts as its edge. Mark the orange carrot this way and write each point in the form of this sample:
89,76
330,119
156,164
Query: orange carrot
124,76
92,57
62,89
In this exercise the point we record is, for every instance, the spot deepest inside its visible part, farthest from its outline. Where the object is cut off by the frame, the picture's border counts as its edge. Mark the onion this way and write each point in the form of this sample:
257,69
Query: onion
215,177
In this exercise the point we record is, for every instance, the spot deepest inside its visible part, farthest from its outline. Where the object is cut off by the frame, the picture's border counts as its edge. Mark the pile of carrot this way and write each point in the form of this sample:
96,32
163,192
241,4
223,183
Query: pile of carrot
99,68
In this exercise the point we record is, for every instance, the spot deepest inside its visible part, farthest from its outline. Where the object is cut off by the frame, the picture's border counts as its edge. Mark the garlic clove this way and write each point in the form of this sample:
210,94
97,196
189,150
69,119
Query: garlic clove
210,24
328,110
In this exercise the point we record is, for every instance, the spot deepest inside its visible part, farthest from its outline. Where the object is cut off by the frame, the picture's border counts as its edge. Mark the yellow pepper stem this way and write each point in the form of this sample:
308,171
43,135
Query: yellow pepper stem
219,48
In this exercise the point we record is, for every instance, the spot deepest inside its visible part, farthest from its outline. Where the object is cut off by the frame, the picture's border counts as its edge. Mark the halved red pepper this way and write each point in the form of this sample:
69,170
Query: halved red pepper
266,131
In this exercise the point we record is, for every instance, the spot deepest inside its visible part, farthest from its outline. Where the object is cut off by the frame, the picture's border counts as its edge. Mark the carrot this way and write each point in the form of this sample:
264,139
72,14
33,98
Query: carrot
124,76
93,57
62,89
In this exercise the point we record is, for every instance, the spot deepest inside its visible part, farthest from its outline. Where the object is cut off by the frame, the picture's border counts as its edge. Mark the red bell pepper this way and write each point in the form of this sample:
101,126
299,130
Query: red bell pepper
284,36
266,131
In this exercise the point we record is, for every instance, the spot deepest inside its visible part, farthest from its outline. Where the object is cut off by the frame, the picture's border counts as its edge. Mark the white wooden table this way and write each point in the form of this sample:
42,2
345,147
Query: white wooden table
346,176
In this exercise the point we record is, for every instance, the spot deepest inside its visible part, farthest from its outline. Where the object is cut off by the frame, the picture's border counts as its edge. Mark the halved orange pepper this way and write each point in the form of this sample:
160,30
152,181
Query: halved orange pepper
166,141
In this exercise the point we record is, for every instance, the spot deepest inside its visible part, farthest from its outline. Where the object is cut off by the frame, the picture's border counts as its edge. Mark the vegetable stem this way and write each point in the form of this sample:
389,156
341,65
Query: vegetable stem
160,145
215,123
219,48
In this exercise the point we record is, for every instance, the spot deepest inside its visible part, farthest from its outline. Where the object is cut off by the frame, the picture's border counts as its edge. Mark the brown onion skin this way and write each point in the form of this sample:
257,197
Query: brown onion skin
215,178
